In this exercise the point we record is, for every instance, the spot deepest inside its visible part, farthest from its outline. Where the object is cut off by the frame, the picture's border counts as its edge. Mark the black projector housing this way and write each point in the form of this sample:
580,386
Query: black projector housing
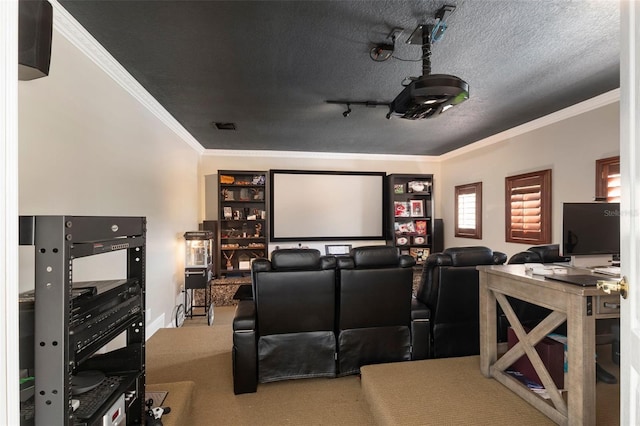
429,96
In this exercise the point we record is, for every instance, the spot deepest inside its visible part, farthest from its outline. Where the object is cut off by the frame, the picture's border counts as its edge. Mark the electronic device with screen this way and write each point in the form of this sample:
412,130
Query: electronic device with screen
591,233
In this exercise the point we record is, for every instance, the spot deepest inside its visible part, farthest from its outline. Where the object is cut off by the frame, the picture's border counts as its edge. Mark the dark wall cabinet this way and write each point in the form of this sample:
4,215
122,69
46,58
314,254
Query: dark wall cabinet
242,219
410,223
77,383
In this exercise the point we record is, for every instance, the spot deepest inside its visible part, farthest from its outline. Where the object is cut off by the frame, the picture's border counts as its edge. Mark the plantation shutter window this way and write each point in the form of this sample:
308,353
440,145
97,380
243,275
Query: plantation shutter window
528,208
608,179
468,208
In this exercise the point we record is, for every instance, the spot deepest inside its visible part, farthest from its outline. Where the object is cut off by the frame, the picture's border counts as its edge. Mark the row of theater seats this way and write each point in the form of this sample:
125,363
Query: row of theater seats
325,316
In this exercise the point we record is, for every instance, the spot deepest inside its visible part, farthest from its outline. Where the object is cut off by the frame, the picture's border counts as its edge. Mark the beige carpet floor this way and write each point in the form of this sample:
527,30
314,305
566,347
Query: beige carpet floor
431,392
202,354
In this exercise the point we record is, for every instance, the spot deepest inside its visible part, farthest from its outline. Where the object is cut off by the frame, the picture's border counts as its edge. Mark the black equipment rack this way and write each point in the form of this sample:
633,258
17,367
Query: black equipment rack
58,240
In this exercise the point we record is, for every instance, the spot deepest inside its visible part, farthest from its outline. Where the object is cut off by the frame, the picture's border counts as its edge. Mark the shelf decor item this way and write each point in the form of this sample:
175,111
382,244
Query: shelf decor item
229,265
405,228
419,187
401,209
398,188
244,194
419,240
420,254
258,180
417,208
421,227
402,240
244,261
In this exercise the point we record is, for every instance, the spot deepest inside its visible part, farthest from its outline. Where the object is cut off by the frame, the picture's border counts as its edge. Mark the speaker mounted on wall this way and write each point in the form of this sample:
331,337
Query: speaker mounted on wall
35,26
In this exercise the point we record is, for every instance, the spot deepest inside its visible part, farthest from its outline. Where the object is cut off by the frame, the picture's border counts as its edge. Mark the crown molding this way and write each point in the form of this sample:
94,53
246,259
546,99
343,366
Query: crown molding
75,33
318,155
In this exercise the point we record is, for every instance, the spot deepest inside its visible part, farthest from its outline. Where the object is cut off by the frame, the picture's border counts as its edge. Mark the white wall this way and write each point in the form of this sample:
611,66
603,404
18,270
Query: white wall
87,147
569,148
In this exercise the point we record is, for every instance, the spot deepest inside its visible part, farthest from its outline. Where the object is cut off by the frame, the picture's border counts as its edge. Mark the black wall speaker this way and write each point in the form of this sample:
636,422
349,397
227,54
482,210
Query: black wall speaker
35,25
438,236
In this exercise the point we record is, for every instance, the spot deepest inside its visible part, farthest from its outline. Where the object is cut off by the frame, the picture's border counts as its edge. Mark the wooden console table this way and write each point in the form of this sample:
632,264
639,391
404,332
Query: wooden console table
579,306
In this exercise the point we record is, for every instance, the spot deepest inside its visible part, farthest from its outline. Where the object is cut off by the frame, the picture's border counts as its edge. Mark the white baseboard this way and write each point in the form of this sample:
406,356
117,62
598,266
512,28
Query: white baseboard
154,326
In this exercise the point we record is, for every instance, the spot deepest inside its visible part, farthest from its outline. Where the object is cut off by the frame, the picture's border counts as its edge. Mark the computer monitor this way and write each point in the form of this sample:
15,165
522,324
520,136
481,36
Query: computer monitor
591,233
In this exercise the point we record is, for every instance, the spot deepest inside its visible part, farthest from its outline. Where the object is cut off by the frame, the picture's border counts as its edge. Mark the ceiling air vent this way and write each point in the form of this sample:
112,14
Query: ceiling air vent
224,126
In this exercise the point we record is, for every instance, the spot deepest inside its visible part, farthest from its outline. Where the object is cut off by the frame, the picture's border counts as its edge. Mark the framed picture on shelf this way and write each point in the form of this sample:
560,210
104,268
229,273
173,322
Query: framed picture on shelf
337,249
405,227
417,208
420,254
401,209
227,213
398,188
423,187
401,240
419,240
421,227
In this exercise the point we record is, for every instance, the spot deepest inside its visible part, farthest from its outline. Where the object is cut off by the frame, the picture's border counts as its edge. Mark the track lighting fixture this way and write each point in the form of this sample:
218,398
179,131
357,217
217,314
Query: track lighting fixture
368,104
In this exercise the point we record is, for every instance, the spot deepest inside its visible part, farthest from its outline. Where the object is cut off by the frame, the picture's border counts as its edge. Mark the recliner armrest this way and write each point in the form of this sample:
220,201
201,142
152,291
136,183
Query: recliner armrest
419,311
420,330
245,316
244,354
345,262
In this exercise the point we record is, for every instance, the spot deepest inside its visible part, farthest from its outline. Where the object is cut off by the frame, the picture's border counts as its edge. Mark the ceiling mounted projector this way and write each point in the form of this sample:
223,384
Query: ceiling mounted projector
429,96
432,94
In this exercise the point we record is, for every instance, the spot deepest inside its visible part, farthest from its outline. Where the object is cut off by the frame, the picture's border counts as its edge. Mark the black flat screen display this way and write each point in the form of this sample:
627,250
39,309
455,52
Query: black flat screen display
590,229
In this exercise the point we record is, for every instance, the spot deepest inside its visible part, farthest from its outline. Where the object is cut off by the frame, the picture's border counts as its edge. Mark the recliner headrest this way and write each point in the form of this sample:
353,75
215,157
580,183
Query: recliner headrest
525,257
469,256
375,256
549,253
300,259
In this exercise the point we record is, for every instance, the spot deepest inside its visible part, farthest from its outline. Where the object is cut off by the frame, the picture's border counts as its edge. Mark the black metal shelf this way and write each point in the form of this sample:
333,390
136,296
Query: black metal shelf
72,321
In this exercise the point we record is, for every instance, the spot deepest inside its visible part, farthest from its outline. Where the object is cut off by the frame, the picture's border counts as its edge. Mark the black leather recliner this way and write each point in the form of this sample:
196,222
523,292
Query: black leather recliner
288,330
529,314
375,322
449,287
548,253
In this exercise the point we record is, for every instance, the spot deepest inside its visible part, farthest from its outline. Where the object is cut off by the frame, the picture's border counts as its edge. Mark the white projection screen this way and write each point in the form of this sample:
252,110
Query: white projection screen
322,205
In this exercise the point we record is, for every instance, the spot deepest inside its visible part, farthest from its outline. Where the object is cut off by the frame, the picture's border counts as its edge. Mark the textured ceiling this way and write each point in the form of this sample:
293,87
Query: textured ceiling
270,66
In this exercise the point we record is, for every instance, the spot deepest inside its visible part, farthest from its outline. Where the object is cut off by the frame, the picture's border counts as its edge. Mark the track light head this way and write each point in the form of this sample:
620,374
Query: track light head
347,112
